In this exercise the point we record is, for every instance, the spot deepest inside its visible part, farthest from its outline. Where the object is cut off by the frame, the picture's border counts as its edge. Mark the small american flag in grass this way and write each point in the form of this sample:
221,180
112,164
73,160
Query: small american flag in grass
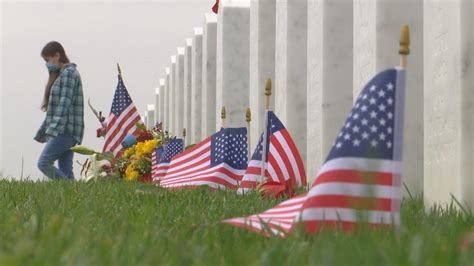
161,158
360,179
219,161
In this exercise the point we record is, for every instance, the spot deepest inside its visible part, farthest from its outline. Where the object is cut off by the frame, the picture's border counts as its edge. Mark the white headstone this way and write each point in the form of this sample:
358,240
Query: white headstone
161,104
150,116
172,96
233,47
449,101
145,118
187,89
376,44
209,46
329,77
262,61
179,93
166,99
291,69
157,104
196,87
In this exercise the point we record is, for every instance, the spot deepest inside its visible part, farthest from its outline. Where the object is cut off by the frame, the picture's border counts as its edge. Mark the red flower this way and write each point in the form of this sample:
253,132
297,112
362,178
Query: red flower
145,178
144,136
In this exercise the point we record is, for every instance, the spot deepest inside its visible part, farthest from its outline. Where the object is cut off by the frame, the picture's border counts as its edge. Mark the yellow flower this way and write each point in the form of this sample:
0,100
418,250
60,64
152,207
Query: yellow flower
130,173
128,152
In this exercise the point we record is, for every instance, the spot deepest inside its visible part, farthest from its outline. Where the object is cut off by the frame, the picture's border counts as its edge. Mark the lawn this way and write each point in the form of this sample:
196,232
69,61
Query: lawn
115,223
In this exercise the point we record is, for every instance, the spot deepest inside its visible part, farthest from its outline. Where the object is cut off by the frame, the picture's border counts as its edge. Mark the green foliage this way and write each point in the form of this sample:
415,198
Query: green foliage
111,222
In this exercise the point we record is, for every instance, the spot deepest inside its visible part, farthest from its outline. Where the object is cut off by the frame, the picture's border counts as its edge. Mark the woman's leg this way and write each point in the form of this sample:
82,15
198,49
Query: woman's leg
55,148
65,164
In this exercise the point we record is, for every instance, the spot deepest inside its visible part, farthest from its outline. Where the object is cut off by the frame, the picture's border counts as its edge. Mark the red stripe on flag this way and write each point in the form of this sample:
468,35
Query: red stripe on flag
351,176
284,156
190,150
276,167
296,154
122,119
126,132
350,202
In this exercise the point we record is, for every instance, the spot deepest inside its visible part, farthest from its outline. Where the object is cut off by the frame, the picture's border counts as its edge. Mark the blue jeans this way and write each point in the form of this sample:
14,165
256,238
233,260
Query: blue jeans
57,149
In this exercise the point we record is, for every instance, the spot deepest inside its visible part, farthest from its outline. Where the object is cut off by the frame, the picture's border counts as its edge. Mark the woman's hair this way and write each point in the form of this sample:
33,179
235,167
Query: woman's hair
50,49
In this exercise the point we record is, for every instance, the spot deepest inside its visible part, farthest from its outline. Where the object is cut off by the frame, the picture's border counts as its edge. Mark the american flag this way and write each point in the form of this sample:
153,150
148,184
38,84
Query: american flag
360,179
284,168
277,221
161,158
122,119
219,161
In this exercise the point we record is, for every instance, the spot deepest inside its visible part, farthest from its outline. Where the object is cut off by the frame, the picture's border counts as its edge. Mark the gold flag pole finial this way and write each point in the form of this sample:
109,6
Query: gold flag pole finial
268,93
184,132
248,115
404,45
223,116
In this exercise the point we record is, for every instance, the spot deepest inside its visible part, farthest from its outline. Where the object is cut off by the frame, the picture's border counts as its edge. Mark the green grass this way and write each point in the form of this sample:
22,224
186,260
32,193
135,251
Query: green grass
109,223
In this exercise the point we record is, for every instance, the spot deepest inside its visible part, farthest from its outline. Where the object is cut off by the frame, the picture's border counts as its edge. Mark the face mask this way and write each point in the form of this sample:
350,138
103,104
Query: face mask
52,67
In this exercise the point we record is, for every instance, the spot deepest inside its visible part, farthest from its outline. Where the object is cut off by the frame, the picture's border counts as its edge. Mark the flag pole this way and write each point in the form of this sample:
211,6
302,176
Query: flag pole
268,93
404,46
184,139
248,118
223,116
119,70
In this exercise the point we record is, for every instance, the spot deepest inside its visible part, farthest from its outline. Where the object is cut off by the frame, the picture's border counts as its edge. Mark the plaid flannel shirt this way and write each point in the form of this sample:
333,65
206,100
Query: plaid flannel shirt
65,114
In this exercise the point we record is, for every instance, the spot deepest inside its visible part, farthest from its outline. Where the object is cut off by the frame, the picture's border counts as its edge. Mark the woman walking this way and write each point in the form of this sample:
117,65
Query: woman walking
63,103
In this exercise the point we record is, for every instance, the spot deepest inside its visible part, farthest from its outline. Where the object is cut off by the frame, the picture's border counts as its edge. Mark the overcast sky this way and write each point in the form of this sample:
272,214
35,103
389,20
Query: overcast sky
140,35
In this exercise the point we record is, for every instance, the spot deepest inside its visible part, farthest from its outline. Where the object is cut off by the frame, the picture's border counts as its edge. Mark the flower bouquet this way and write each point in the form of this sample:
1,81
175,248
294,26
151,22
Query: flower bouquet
133,164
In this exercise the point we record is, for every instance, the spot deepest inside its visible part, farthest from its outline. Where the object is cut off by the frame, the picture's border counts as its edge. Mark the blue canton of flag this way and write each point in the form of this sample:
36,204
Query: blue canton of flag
159,154
230,146
369,129
162,156
174,147
121,99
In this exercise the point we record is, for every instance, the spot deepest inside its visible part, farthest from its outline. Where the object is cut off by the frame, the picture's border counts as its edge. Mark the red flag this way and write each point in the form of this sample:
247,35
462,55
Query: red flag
215,8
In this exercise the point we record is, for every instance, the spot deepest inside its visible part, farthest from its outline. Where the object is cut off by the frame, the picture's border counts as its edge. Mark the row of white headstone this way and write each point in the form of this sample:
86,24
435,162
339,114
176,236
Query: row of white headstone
320,53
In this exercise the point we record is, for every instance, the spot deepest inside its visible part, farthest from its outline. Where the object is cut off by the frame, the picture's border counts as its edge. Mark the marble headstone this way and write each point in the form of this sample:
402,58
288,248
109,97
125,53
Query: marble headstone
166,99
448,102
179,92
196,87
161,104
209,46
290,86
232,71
262,61
150,115
187,89
172,96
157,104
329,97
